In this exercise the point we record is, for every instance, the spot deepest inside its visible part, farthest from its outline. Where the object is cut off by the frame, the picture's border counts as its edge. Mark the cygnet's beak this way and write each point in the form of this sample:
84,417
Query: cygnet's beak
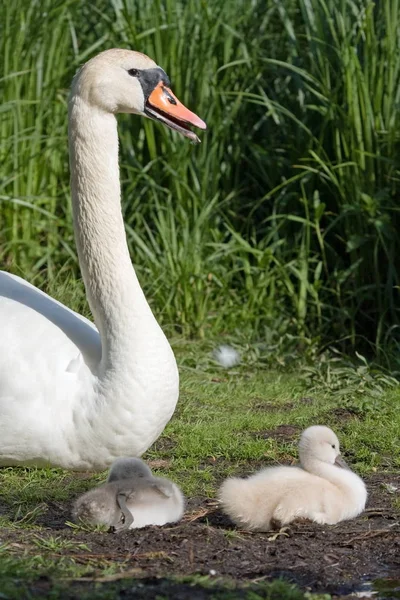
162,105
340,462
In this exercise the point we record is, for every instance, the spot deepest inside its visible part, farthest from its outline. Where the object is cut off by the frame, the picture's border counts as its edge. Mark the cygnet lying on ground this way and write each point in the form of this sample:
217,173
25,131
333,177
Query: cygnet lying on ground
323,489
131,498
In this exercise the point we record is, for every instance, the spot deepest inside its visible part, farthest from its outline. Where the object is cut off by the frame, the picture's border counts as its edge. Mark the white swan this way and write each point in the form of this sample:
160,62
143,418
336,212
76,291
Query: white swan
72,396
132,498
324,490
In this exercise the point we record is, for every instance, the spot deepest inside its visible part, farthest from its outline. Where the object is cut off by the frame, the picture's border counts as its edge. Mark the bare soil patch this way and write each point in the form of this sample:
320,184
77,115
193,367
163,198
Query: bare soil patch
282,433
336,559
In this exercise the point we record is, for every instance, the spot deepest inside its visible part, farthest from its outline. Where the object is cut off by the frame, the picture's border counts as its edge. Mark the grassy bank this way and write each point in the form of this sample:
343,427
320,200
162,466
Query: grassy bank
227,422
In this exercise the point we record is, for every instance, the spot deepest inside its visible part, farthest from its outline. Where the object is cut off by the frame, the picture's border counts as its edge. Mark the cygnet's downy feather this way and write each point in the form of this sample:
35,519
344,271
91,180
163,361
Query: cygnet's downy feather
129,468
132,498
323,489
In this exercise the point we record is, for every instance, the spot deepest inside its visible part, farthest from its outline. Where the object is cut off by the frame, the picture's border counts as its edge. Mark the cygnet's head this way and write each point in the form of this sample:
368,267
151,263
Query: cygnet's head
320,443
124,81
129,468
94,508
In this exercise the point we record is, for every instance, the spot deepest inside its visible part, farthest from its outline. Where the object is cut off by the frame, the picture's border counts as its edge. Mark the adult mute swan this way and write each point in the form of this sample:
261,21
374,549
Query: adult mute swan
71,395
323,489
131,498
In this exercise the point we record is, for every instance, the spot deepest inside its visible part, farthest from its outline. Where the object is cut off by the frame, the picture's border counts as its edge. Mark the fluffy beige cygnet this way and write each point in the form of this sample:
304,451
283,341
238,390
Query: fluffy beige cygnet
323,489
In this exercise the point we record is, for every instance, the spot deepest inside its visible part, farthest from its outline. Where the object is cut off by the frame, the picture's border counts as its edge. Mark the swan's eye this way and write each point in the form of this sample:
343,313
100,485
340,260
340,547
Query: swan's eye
334,446
133,72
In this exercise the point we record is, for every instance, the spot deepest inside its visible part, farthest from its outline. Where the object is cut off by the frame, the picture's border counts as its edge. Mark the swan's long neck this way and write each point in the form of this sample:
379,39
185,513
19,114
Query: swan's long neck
134,388
120,309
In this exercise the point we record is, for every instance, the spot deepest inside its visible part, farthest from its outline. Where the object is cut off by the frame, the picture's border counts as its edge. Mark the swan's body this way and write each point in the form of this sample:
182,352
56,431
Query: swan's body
132,498
323,490
71,394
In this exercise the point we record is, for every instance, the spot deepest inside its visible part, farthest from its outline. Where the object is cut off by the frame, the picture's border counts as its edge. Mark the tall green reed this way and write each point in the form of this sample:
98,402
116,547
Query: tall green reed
286,213
338,135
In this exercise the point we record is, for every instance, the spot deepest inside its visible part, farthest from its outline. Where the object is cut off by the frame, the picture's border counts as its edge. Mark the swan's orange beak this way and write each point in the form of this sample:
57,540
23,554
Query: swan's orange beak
164,106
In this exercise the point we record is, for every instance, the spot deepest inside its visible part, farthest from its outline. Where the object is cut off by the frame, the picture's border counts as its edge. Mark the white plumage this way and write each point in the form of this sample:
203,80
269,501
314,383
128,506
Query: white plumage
323,489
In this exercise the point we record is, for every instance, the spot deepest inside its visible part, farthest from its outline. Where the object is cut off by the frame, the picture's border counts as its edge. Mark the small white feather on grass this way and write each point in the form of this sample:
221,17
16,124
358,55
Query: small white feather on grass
226,356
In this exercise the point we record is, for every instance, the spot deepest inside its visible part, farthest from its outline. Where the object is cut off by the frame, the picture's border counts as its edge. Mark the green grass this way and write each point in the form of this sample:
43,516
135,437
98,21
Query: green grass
224,424
284,218
201,587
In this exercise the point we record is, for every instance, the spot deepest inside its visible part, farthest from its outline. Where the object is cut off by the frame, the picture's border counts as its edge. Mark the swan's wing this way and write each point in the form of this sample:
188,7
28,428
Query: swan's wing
26,311
47,353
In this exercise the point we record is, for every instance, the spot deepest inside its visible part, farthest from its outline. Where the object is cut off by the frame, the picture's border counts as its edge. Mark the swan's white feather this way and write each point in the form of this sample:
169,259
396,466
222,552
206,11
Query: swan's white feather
50,390
38,388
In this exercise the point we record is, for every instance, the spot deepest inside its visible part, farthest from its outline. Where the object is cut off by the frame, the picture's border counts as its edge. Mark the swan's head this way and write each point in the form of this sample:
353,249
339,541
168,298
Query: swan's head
320,443
124,81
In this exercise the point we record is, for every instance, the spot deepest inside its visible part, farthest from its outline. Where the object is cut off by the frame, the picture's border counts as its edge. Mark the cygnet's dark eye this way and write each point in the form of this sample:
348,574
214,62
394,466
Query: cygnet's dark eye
334,446
133,72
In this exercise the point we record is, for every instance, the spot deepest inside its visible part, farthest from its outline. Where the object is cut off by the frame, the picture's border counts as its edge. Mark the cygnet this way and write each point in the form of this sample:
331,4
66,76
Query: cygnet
132,498
322,489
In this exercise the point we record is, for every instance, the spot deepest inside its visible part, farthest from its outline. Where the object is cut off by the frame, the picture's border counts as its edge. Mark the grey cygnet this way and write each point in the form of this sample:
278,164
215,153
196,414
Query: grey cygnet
132,497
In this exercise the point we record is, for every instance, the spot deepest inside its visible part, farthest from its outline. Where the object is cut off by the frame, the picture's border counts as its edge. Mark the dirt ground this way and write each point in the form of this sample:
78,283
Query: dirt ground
340,560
